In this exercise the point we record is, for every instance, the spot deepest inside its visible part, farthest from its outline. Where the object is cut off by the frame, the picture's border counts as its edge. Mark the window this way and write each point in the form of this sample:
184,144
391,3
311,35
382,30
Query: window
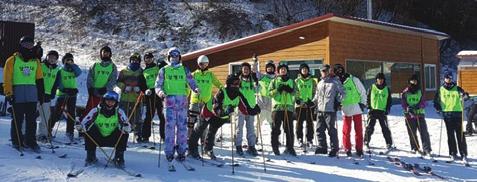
236,67
365,70
430,76
293,67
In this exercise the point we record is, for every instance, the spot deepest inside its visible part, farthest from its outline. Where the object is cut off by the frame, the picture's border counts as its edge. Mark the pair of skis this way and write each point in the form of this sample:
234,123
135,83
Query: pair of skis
171,167
75,173
415,169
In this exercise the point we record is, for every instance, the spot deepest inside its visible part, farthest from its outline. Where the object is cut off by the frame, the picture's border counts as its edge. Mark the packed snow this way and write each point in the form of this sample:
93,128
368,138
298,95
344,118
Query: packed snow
13,167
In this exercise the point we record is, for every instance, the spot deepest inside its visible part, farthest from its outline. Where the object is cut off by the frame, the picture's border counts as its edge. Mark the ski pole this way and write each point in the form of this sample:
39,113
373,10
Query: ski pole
462,123
233,140
128,121
412,133
48,133
287,121
152,107
440,138
15,121
62,109
159,153
259,126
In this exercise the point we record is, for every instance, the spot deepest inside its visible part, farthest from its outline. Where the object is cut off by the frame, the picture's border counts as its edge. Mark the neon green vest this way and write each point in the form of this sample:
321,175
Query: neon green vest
283,100
101,74
414,99
24,73
49,77
150,74
352,95
68,80
106,125
379,98
175,82
204,82
451,100
305,88
248,91
226,102
264,83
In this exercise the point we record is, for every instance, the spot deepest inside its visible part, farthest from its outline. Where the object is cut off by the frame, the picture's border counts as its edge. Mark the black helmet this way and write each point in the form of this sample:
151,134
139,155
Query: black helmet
52,53
26,39
231,79
380,76
246,64
106,49
148,55
448,75
282,66
413,77
270,64
135,56
66,56
304,65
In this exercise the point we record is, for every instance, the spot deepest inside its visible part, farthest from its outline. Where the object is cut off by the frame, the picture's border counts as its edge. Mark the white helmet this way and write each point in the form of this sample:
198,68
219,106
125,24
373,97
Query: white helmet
202,59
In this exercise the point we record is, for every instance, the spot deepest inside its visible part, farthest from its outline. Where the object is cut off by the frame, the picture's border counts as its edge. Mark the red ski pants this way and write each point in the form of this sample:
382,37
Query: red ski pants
358,130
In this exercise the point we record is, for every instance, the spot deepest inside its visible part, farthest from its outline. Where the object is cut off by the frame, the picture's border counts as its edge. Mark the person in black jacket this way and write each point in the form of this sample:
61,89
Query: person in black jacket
449,101
379,104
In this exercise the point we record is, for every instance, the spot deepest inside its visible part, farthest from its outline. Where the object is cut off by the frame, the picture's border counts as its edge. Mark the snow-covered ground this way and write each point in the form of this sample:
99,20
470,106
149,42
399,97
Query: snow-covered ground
51,168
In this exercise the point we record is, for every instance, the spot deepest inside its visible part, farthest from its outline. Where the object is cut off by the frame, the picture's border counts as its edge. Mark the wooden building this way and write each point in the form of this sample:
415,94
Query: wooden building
365,47
467,71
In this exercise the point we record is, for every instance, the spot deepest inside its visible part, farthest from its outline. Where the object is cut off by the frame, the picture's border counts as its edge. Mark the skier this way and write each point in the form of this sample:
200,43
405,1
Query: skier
264,99
205,79
67,92
282,90
131,83
23,88
172,84
248,88
329,94
306,88
379,103
105,125
353,106
413,104
448,101
101,78
471,117
151,100
50,79
217,112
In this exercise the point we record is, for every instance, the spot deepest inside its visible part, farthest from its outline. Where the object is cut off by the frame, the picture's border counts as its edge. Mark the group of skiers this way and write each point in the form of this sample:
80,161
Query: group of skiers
186,106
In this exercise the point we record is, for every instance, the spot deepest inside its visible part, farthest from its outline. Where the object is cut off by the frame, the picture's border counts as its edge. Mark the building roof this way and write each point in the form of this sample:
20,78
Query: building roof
466,53
392,27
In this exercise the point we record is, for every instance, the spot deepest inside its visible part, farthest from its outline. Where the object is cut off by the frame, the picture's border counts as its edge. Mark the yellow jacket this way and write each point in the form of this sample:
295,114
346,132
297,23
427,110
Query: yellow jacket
8,73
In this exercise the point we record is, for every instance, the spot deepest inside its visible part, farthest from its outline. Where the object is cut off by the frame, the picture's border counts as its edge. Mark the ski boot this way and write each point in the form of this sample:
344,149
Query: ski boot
290,151
348,153
181,157
119,159
276,151
321,150
360,153
194,153
70,137
239,150
210,154
333,153
252,151
90,157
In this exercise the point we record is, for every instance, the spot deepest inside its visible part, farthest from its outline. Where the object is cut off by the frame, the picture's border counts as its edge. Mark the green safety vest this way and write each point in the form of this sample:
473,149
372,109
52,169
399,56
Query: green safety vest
451,100
414,99
49,77
305,88
106,125
379,98
264,83
101,74
150,74
225,103
175,82
352,95
247,89
24,73
283,99
68,80
204,83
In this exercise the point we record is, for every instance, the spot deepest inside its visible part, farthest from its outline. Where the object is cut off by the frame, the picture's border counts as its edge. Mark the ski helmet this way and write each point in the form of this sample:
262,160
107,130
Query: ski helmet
106,49
202,59
135,56
148,55
66,57
304,65
270,64
448,75
111,95
26,39
173,52
52,53
231,79
380,76
282,66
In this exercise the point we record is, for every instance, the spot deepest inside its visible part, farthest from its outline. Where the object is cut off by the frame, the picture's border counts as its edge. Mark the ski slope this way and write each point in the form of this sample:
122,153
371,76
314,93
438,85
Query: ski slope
13,167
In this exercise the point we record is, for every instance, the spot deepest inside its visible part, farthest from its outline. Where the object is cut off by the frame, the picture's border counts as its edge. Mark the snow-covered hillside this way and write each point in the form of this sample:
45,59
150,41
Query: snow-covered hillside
145,161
